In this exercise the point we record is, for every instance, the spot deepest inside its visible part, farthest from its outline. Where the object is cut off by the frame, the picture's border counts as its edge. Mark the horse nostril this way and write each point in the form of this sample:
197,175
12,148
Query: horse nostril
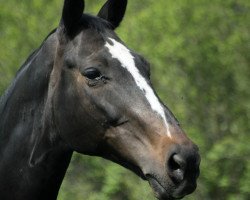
176,165
183,163
176,162
179,161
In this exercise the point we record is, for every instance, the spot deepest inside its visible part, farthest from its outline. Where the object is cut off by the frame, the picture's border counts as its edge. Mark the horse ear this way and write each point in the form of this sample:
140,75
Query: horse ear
71,15
113,11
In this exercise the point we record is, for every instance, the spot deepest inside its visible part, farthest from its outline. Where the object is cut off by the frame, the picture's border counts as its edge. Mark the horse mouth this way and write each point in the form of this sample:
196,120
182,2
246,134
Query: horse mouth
160,192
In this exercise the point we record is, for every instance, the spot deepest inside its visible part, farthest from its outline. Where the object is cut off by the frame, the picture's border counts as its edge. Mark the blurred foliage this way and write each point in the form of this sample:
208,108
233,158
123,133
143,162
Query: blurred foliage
200,55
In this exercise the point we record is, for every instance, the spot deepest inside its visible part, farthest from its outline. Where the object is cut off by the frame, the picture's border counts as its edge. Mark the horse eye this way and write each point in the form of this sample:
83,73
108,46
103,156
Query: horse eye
92,73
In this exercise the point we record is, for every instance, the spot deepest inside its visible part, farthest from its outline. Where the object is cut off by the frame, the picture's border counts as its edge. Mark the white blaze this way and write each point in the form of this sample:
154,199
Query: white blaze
121,53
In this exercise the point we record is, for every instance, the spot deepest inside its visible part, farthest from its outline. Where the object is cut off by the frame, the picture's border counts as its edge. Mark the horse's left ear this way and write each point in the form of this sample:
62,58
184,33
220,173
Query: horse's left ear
71,15
113,11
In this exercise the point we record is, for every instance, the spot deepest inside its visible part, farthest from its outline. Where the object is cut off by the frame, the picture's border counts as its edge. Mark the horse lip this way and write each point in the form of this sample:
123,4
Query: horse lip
161,192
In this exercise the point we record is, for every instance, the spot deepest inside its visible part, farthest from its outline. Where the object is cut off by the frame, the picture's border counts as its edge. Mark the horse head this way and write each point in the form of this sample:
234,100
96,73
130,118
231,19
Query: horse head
102,103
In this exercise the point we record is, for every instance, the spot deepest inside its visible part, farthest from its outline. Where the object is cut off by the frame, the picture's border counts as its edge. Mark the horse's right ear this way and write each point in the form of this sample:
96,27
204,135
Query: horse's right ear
71,15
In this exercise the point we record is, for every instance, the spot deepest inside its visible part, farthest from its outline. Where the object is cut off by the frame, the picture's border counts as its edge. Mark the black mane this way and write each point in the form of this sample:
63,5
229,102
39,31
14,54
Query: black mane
97,23
33,54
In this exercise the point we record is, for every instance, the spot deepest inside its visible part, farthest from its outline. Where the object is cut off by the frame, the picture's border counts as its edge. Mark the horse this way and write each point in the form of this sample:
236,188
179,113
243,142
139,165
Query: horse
84,90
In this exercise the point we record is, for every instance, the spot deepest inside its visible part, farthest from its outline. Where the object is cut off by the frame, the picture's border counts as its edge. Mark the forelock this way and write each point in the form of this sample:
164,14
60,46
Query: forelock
95,23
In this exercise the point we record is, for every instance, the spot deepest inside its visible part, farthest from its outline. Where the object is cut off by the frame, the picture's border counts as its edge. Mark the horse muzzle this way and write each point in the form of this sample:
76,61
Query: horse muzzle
171,166
180,176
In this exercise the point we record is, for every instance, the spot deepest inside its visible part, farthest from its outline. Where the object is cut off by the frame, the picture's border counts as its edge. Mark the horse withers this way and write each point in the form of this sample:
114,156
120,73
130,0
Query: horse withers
83,90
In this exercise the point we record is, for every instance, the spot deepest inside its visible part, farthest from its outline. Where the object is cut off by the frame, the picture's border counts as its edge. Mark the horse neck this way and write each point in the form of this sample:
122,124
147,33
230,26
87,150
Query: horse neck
22,123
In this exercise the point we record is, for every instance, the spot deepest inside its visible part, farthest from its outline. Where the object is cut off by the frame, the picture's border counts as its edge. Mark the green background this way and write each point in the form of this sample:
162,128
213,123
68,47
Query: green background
199,52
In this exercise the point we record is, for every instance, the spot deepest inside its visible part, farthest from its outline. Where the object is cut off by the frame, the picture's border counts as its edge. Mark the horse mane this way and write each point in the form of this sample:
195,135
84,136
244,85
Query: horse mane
33,54
5,96
96,23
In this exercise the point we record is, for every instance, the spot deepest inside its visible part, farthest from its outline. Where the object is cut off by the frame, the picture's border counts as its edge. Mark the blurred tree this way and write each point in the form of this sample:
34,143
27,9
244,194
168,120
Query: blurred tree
199,52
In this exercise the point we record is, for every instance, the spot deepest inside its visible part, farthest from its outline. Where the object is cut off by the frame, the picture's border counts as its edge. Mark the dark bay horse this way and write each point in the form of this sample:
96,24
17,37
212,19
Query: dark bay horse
83,90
